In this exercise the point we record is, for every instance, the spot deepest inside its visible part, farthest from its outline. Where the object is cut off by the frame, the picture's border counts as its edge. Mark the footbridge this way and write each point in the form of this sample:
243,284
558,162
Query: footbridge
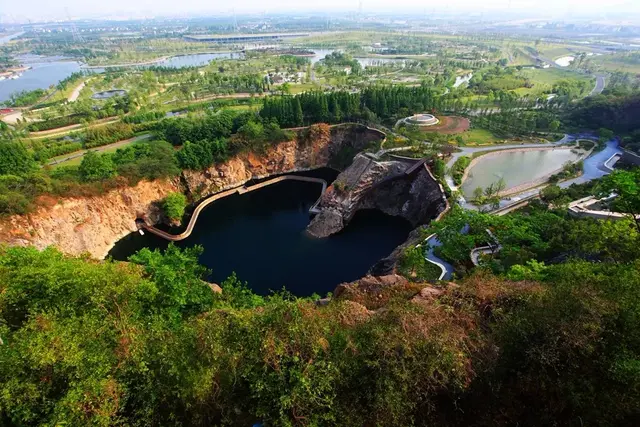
142,224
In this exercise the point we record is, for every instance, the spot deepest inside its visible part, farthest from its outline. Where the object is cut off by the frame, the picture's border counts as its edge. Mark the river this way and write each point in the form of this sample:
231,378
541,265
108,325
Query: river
196,60
44,72
261,236
515,167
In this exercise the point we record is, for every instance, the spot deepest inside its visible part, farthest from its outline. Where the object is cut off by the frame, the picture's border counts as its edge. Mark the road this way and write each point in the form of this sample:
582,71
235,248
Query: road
601,81
470,151
81,153
76,92
594,168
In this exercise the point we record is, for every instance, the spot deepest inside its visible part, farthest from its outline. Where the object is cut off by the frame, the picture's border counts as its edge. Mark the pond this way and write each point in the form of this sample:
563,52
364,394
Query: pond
197,60
516,167
261,236
109,94
44,72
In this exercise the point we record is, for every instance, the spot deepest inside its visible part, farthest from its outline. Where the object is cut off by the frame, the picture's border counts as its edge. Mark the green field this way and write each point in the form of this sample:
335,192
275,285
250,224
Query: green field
478,137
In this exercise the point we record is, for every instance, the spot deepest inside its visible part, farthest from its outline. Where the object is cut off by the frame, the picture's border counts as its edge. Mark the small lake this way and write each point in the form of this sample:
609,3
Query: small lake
320,54
197,60
261,236
109,94
515,167
44,72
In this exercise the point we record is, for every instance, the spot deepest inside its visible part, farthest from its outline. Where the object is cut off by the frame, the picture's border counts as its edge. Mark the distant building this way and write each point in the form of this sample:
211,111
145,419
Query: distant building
242,38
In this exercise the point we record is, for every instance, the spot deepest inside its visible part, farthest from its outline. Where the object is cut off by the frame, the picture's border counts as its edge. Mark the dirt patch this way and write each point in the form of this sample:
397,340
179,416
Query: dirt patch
450,125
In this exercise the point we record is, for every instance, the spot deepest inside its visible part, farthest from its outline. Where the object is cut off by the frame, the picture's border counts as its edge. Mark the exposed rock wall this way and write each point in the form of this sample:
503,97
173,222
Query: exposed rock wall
370,184
88,224
94,224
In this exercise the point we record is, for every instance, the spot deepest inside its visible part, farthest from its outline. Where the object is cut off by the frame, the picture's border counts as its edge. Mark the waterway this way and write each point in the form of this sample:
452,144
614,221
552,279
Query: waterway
197,60
261,236
44,72
515,167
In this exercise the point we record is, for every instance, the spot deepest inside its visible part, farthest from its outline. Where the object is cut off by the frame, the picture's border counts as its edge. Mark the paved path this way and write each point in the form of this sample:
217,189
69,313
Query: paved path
76,91
240,190
81,153
432,242
469,151
601,81
595,167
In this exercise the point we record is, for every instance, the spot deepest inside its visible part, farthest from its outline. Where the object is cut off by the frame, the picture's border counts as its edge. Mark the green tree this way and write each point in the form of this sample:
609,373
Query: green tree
15,159
626,186
174,205
96,167
605,134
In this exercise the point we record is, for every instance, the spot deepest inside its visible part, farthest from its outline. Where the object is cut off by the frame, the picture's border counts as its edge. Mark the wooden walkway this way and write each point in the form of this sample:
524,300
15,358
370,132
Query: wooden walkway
240,190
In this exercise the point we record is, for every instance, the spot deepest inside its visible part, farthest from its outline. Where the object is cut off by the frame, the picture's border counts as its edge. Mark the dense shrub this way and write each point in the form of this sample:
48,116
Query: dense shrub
174,205
458,168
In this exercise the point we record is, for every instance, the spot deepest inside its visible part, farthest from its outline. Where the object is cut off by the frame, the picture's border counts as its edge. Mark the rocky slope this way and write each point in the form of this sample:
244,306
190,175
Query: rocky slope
94,224
372,184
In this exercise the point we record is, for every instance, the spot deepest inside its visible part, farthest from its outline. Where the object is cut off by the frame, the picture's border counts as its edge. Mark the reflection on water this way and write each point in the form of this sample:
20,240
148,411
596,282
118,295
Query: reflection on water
516,167
197,60
44,72
261,236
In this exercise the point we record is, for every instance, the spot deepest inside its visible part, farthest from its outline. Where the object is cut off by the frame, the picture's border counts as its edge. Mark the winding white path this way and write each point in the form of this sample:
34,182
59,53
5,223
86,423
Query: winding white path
239,190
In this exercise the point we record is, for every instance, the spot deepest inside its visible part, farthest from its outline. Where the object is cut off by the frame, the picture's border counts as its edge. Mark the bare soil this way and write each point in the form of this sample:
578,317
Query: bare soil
450,125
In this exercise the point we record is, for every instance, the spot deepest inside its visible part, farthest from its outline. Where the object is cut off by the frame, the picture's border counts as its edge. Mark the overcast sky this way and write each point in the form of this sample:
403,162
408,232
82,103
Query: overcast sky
19,10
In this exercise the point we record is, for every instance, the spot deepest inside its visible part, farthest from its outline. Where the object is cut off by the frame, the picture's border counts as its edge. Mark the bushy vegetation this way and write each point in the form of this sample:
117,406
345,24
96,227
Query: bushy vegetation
174,205
24,98
497,79
148,342
103,135
458,168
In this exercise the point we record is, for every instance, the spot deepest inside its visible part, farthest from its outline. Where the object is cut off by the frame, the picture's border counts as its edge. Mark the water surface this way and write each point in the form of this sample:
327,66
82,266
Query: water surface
515,167
261,236
196,60
44,72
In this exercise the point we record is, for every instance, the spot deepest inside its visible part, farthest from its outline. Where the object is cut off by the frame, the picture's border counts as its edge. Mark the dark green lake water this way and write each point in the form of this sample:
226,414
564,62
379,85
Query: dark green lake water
261,236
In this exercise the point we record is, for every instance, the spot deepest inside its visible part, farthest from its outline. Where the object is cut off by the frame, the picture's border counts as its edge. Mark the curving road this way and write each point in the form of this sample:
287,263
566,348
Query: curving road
469,151
595,167
601,81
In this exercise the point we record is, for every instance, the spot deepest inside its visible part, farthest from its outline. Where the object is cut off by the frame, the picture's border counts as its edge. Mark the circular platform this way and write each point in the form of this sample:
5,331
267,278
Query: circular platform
422,120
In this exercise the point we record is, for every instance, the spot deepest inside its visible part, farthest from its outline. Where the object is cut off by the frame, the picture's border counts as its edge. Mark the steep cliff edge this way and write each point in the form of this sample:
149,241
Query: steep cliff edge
94,224
88,224
371,184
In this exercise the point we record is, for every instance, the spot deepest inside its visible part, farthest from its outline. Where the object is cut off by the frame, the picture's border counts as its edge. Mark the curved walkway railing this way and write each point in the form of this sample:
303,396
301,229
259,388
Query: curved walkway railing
240,190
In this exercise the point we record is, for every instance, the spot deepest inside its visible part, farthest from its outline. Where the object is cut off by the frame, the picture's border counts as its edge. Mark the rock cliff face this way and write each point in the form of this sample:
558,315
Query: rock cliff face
313,149
90,224
94,224
370,184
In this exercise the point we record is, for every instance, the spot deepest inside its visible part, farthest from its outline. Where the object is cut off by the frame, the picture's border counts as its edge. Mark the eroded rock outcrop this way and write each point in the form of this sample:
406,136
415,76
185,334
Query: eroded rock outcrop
87,224
93,225
371,184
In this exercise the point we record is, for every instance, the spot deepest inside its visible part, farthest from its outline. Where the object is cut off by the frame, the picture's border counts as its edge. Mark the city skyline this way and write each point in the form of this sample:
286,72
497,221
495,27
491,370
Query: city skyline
40,10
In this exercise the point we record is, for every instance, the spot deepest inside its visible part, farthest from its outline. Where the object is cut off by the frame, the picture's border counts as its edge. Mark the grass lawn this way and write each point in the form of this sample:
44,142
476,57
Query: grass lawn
615,63
544,79
72,162
478,136
554,51
302,87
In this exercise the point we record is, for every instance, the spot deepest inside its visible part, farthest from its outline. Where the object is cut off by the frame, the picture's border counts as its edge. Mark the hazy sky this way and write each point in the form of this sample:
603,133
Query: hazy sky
19,10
